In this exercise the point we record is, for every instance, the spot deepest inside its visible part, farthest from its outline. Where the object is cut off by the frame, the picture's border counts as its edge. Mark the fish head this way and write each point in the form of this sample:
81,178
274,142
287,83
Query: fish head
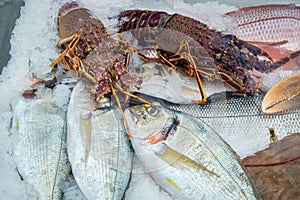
149,122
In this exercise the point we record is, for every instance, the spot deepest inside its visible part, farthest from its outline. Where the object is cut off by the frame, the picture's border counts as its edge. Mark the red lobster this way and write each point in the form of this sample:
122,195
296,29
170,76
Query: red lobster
93,55
183,42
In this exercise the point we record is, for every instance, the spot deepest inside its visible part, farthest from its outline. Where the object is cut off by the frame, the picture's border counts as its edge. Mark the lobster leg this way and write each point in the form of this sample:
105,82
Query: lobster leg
230,81
131,95
83,72
76,63
193,67
121,110
184,53
270,43
282,61
119,104
258,77
167,62
73,41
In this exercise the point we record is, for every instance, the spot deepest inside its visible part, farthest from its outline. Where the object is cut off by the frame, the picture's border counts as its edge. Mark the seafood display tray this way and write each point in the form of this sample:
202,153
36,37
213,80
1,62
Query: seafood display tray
52,132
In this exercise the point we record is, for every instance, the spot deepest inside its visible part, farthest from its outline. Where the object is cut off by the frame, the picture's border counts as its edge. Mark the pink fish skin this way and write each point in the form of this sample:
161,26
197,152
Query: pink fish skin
271,27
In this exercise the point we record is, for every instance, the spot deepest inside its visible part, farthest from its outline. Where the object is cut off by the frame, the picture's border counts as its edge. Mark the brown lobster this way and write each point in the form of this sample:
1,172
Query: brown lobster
185,43
93,55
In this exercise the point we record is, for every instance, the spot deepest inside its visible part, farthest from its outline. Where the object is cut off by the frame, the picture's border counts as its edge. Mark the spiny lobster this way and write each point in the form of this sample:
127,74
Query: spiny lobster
183,42
94,55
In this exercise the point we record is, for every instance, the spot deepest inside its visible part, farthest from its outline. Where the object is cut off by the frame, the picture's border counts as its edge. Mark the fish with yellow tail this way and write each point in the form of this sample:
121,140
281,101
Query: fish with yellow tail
186,157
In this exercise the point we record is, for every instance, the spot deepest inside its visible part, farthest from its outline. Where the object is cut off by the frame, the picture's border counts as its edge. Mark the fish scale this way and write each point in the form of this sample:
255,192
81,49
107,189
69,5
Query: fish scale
40,152
254,14
269,23
241,119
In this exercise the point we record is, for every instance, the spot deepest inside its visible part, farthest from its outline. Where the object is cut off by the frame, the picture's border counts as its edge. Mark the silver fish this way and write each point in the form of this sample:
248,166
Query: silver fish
98,147
240,119
186,157
40,151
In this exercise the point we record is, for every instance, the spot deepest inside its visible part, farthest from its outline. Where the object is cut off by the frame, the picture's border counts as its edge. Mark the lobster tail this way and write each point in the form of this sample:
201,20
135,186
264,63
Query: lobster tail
142,23
131,19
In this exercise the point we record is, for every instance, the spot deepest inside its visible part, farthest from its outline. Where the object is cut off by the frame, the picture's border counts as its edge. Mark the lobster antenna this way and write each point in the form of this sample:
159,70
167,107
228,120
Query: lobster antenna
121,110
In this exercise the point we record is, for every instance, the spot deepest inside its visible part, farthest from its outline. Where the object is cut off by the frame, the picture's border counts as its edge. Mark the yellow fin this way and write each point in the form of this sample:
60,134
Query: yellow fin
178,160
173,183
86,131
17,125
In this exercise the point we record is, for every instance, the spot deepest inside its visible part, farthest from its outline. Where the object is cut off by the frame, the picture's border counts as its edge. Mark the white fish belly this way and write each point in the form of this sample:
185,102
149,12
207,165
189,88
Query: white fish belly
40,150
98,147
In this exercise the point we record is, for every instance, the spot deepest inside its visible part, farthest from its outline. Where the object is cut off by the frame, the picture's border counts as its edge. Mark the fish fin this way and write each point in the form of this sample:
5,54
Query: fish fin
17,125
86,132
179,160
173,183
274,51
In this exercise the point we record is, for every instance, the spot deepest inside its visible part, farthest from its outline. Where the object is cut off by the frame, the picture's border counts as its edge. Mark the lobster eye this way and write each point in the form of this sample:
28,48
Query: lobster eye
152,111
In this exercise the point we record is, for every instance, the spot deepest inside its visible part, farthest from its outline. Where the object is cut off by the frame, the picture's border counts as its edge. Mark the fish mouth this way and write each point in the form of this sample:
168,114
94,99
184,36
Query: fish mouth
136,116
169,128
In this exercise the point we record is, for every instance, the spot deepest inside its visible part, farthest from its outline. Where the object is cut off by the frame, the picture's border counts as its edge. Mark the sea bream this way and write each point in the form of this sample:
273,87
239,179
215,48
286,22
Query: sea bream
39,127
98,147
186,157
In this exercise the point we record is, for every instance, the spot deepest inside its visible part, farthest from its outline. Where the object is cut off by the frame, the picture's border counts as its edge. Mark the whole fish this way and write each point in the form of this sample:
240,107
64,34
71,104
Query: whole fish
186,157
270,24
98,148
239,119
40,151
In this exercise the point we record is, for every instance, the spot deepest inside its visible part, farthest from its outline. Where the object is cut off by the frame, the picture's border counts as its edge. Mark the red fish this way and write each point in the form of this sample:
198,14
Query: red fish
274,28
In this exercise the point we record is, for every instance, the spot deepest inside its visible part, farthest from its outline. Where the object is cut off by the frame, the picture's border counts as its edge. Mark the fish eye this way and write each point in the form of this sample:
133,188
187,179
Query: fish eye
152,111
